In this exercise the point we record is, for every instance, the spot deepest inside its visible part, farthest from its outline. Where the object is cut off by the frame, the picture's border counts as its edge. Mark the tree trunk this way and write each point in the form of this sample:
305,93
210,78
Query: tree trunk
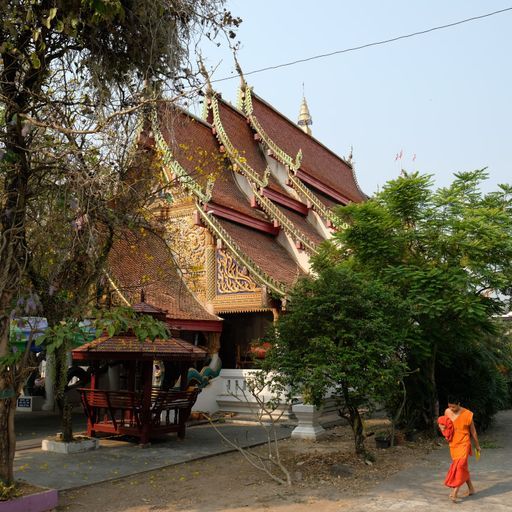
67,421
7,409
65,408
7,439
356,423
357,428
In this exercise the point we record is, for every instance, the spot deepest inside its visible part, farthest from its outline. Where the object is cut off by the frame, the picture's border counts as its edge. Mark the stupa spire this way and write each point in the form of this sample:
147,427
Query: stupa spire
305,120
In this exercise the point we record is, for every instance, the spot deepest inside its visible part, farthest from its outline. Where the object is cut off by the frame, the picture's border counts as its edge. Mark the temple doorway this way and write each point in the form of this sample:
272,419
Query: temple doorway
238,332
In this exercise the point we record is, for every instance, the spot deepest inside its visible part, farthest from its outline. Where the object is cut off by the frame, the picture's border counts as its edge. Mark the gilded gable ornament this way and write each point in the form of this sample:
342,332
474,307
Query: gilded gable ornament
232,277
188,243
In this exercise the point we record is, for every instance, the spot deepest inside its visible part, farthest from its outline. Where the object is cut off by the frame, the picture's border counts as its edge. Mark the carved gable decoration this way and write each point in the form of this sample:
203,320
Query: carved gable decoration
188,242
232,277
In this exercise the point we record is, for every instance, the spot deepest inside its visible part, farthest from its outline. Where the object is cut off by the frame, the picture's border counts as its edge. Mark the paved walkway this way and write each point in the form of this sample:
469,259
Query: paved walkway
115,459
33,427
421,488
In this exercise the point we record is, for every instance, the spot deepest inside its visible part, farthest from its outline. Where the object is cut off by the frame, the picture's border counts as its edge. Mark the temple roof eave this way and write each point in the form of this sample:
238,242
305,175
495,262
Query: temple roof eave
262,199
293,163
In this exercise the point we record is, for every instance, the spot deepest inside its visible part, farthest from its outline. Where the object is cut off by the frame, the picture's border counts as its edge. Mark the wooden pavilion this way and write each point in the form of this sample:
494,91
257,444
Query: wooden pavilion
139,410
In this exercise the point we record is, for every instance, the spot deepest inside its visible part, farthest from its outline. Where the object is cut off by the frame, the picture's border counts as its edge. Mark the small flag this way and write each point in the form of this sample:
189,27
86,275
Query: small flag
414,157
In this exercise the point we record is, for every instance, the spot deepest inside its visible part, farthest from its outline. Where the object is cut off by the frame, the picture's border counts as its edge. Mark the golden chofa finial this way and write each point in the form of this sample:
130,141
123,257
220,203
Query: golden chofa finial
305,120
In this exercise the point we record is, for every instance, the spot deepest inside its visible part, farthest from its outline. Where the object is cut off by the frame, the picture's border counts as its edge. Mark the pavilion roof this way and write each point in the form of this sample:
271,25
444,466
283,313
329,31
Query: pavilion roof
129,347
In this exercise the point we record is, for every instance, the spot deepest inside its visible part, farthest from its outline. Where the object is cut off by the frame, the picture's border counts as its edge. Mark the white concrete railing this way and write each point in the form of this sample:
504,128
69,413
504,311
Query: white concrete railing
229,393
234,395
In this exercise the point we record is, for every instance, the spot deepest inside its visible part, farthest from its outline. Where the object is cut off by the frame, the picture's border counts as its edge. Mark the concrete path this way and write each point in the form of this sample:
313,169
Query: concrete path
421,488
115,459
33,427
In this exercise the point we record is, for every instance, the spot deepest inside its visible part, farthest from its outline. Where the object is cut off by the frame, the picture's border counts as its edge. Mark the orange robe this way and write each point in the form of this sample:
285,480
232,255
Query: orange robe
460,450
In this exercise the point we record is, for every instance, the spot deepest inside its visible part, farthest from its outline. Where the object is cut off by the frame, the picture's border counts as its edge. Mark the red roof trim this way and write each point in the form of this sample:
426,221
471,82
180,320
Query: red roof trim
322,187
287,201
195,325
240,218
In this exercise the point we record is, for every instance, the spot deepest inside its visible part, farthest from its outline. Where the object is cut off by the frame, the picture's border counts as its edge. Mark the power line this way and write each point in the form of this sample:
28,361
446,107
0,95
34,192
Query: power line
368,45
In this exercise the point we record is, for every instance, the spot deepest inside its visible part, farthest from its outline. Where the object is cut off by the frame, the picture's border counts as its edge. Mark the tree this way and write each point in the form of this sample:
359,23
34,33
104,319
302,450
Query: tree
70,72
448,253
343,332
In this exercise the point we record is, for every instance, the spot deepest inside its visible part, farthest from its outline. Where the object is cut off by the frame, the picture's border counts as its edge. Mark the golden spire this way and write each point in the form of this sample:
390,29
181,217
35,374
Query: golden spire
305,120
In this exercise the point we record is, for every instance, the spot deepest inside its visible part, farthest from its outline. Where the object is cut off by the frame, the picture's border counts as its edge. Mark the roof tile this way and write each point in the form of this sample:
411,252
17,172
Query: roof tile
265,251
317,160
141,261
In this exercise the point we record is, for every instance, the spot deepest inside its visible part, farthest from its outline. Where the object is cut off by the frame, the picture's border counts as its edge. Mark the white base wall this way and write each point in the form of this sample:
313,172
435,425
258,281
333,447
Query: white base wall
228,393
207,400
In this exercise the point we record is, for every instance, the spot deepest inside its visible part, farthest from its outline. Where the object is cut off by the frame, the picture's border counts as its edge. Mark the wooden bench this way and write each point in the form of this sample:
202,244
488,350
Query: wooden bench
172,407
122,412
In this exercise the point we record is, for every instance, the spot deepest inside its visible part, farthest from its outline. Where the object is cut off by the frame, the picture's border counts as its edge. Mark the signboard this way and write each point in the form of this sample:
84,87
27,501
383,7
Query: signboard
29,403
24,402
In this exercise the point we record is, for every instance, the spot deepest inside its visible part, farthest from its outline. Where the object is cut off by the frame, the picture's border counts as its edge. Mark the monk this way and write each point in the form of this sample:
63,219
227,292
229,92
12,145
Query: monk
460,447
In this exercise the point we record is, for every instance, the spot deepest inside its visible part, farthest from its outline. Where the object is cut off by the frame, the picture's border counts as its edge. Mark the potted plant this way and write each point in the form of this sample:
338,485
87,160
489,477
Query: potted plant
411,435
383,439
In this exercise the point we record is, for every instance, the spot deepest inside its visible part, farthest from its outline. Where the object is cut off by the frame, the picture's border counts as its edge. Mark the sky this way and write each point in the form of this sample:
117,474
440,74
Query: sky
443,99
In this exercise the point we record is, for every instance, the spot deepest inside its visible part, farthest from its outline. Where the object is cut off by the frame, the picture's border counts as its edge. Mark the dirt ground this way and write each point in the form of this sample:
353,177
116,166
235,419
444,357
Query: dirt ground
229,483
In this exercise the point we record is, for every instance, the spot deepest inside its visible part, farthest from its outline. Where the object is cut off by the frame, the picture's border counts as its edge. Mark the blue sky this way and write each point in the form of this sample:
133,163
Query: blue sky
444,96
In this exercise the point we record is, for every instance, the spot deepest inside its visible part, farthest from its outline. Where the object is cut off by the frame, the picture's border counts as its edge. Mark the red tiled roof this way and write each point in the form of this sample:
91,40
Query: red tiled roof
302,224
265,251
327,201
172,348
196,149
141,261
317,161
241,136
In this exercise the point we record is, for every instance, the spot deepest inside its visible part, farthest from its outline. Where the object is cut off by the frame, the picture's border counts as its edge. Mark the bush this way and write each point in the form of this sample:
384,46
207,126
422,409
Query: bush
477,374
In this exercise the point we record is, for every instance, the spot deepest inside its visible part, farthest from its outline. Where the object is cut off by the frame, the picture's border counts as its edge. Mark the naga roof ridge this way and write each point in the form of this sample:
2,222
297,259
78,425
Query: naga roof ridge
297,127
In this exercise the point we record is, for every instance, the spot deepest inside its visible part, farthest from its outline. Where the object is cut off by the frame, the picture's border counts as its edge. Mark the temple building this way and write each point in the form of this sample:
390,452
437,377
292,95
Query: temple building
248,200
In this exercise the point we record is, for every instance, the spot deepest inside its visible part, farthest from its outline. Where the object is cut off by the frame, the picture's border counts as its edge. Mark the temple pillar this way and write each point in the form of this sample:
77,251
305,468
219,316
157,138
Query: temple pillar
210,268
49,383
113,377
213,350
213,342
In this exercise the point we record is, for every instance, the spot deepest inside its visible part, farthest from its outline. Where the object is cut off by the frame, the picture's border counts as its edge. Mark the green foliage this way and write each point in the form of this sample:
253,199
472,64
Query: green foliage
124,319
112,322
448,253
479,374
343,332
113,35
8,492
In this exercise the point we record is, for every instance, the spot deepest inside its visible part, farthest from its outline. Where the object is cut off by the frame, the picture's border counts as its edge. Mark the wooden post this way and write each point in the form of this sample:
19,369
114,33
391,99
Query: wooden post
91,420
182,413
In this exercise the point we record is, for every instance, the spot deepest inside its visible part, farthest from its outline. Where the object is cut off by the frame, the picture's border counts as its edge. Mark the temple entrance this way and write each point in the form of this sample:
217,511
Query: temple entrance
238,332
